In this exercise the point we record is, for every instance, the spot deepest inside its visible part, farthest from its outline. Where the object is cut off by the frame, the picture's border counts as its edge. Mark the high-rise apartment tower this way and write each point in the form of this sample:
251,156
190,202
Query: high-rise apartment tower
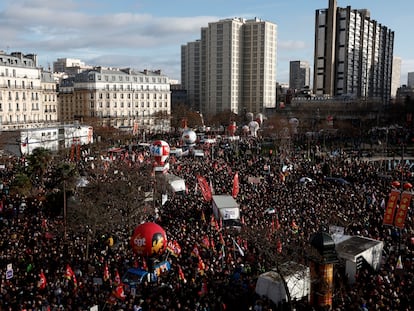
232,67
353,54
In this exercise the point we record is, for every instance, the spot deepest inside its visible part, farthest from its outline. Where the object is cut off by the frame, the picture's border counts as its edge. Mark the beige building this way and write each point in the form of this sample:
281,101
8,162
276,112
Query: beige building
122,98
28,97
232,67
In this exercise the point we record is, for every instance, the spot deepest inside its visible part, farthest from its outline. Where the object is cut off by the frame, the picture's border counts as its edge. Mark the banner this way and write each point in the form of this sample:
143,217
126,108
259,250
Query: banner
390,208
403,209
236,187
205,188
174,248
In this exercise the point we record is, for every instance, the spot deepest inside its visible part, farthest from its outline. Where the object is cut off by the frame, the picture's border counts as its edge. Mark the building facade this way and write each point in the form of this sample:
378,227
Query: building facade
299,75
28,95
121,98
353,54
396,76
232,67
410,80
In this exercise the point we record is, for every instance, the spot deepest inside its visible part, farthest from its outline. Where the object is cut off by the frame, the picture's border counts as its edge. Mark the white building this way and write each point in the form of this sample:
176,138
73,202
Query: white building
122,98
396,76
28,95
232,67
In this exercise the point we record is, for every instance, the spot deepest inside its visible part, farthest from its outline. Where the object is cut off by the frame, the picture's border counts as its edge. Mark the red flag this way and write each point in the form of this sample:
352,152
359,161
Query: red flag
390,208
70,275
205,188
174,248
195,252
144,264
236,188
117,279
205,241
42,282
277,224
201,266
119,292
279,246
181,275
106,273
203,291
403,209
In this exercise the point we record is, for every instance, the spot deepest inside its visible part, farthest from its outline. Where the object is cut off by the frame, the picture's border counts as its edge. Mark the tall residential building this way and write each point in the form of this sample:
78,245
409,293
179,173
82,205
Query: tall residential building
121,98
299,75
232,67
410,79
191,72
396,76
353,54
28,96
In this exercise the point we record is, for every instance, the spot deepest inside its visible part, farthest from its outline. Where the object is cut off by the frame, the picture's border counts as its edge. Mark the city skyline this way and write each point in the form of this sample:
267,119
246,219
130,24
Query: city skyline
149,34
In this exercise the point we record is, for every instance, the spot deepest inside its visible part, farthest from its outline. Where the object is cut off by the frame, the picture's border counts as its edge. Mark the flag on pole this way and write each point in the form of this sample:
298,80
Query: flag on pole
181,275
70,275
236,187
117,279
42,282
279,246
238,247
205,188
106,275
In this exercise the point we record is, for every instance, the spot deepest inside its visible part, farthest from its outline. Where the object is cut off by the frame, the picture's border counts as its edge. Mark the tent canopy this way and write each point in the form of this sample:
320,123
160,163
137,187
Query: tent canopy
297,277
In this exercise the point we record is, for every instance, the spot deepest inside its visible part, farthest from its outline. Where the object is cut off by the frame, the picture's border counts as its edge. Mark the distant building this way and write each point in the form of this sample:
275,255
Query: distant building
28,96
232,67
353,54
396,76
121,98
299,75
410,80
69,65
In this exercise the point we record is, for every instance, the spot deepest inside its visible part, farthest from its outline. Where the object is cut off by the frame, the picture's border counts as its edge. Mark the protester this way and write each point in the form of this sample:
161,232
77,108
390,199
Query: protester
217,268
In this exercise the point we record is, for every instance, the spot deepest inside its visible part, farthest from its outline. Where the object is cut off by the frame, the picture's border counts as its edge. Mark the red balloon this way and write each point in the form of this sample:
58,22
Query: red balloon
149,239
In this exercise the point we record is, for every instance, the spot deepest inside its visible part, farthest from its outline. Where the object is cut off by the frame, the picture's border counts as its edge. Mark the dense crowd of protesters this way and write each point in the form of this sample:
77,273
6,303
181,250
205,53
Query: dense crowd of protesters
218,267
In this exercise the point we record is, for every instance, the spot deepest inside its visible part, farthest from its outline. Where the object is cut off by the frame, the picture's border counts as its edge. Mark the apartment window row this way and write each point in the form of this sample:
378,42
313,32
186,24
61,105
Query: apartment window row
143,105
113,78
22,85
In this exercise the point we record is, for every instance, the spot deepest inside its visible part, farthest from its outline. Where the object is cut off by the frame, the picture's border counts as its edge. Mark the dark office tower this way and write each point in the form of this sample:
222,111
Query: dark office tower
353,54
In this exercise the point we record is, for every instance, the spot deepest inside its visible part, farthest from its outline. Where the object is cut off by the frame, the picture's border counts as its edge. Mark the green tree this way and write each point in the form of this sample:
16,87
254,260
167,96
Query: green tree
21,185
38,162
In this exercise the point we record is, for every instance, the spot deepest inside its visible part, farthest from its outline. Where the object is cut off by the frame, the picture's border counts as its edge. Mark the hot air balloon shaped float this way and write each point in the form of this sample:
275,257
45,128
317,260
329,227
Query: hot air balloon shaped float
160,150
149,240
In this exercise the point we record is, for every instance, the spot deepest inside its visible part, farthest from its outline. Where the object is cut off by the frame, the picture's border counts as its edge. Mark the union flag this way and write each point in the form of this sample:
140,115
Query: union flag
205,188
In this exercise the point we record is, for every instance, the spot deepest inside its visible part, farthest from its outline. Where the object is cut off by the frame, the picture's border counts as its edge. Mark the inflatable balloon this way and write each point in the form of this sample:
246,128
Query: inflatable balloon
148,239
160,150
253,127
249,116
189,137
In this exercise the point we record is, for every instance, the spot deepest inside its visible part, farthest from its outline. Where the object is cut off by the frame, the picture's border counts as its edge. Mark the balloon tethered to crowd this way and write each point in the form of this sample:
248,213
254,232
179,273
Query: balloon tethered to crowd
149,239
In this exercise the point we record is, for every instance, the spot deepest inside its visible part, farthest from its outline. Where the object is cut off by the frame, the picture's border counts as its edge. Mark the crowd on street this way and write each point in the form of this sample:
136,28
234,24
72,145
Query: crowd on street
217,267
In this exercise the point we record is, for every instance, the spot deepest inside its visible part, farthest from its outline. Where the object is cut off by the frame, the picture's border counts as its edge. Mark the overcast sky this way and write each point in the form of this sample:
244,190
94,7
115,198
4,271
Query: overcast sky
148,34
